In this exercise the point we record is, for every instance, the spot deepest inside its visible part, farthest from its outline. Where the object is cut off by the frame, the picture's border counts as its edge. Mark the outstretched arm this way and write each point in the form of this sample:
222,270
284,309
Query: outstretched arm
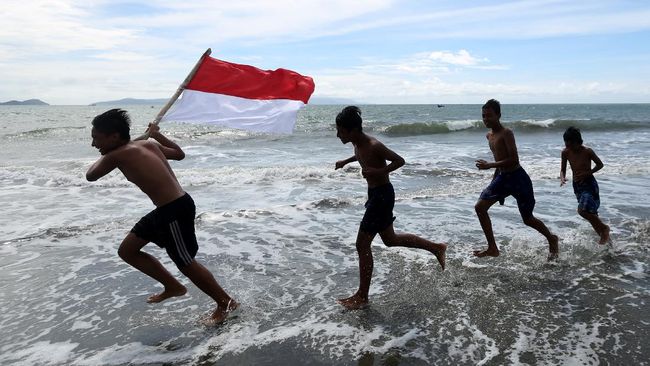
563,168
169,148
341,163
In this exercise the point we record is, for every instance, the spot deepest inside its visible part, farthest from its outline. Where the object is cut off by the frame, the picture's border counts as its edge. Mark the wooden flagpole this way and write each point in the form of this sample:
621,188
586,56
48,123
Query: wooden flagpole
180,89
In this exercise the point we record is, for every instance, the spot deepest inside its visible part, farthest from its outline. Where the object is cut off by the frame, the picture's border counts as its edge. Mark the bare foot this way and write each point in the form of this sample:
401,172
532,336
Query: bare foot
553,248
166,294
220,314
489,252
604,236
354,302
441,255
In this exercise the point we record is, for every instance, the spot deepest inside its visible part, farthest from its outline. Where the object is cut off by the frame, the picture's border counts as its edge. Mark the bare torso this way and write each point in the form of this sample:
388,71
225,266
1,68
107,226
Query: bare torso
580,161
143,164
498,141
368,157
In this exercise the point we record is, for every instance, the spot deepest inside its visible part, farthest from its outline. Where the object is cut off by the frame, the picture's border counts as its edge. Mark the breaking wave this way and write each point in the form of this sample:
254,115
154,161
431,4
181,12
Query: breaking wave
526,126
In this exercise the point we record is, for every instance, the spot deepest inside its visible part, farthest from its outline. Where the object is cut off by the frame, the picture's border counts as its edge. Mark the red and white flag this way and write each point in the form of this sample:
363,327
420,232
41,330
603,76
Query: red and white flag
242,97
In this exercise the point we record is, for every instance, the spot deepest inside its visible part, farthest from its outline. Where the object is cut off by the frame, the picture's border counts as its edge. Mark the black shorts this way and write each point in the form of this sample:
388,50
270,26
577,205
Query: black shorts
516,183
171,226
379,209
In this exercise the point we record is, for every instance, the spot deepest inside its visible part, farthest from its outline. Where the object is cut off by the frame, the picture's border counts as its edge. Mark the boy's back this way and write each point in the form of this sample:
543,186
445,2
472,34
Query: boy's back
580,160
145,165
585,186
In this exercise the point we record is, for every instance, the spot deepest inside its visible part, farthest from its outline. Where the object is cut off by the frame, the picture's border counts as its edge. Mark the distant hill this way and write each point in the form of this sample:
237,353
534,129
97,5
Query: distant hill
24,102
132,101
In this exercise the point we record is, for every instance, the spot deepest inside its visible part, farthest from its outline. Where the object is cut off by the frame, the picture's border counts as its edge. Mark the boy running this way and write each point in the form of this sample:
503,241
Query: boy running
585,186
509,179
378,219
171,224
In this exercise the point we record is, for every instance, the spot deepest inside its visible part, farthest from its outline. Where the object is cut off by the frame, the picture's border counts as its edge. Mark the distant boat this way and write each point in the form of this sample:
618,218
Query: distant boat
441,105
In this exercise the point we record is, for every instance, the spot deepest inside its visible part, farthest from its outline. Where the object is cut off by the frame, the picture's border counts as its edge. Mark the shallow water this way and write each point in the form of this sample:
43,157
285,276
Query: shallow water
277,226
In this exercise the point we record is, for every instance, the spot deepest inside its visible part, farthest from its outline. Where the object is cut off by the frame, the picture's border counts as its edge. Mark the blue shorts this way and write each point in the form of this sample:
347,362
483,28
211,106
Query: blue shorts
379,209
171,226
587,194
516,183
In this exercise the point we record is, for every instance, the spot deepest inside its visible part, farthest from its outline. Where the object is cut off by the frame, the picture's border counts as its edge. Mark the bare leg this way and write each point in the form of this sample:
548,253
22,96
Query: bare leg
604,236
597,224
205,281
130,251
366,264
391,239
481,208
538,225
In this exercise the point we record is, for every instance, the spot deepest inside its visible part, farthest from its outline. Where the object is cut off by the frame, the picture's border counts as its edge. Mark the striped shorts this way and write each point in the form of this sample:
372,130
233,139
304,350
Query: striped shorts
171,226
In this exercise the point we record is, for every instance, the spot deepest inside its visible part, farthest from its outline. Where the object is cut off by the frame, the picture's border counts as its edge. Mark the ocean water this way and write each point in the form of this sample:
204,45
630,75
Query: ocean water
276,225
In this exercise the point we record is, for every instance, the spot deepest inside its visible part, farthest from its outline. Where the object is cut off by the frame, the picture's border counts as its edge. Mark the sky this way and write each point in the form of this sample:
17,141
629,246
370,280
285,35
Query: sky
369,51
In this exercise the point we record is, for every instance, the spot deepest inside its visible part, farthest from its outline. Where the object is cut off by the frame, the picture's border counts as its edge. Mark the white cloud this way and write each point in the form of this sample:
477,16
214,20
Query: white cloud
425,64
378,88
38,26
212,22
73,51
31,28
88,81
373,84
124,56
461,58
527,19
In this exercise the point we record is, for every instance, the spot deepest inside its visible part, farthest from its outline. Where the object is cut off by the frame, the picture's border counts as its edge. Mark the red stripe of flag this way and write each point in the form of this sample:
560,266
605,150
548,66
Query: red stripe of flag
221,77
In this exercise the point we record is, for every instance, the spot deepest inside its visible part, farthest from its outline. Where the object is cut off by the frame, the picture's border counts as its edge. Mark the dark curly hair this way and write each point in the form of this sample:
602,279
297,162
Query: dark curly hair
114,120
572,134
349,118
494,105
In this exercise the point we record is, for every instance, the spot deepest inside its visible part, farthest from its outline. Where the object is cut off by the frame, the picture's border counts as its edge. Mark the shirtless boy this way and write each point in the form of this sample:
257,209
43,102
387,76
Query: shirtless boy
378,219
585,186
171,224
509,179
